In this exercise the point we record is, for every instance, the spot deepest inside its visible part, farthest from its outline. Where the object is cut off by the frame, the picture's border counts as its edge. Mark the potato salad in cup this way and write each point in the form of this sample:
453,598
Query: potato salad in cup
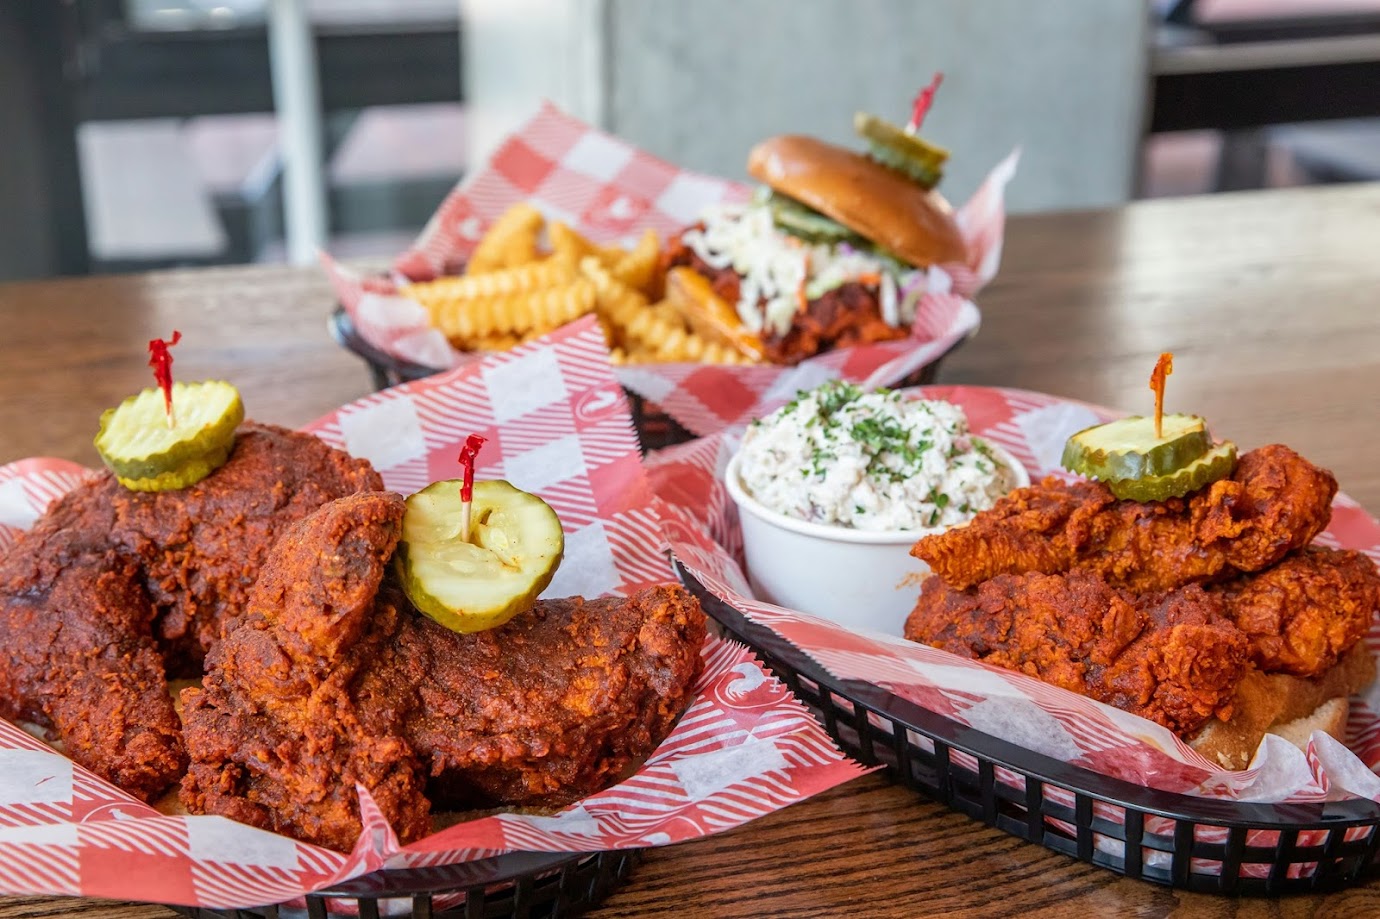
835,487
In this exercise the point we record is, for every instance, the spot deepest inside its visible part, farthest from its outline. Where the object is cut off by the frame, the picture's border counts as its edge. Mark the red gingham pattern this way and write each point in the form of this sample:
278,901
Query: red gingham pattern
701,526
611,191
558,424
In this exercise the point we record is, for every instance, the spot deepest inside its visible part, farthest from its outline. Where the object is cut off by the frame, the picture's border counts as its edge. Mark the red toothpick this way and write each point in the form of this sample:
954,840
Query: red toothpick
1163,368
161,362
466,459
923,100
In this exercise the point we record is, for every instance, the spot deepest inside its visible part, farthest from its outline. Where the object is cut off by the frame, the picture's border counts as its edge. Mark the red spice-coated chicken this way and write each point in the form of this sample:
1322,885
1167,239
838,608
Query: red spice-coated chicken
201,548
1174,658
333,681
112,591
1274,503
1304,613
77,652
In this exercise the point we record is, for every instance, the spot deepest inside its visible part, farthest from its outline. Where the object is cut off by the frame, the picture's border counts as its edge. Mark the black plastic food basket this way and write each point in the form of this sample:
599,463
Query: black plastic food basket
1092,817
655,428
527,884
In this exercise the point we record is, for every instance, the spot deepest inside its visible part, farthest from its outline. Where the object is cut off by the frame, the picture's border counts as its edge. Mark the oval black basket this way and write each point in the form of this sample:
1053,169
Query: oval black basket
527,884
655,428
1092,817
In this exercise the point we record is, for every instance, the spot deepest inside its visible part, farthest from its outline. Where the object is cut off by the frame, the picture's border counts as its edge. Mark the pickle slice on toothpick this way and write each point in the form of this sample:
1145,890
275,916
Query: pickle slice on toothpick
1216,464
891,146
150,450
1129,448
513,549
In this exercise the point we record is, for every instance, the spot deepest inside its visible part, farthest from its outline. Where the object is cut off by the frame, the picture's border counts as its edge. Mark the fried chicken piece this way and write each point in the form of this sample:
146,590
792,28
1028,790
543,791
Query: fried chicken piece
1173,658
324,686
113,590
550,708
203,546
276,733
1274,503
1303,614
79,655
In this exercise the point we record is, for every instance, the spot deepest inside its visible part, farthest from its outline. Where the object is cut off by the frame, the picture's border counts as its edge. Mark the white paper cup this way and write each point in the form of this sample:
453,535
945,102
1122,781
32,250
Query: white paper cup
861,579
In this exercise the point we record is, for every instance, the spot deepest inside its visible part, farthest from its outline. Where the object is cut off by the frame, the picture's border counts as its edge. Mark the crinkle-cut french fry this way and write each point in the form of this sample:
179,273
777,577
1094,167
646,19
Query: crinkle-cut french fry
512,240
690,348
567,242
616,303
679,346
609,255
638,355
535,311
501,342
667,313
551,272
637,266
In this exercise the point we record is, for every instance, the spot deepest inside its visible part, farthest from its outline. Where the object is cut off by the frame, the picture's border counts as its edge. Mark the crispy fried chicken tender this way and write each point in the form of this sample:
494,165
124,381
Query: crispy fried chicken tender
1303,614
332,681
79,655
112,591
1173,657
1274,503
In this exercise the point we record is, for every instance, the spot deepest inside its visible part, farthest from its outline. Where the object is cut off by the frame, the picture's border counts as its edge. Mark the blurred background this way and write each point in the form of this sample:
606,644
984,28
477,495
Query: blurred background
141,134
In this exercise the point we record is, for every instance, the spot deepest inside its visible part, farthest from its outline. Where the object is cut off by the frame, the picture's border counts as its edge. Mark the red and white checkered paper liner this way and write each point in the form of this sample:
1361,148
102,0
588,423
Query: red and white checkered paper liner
702,528
611,191
557,424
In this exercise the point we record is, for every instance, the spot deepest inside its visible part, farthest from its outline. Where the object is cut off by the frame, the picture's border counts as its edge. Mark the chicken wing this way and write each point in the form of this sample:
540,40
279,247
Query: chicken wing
323,687
1303,614
1173,658
1274,503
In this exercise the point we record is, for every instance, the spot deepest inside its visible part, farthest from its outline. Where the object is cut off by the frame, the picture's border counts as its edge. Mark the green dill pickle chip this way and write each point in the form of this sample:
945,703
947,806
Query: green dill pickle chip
1128,448
1216,464
909,154
516,544
147,453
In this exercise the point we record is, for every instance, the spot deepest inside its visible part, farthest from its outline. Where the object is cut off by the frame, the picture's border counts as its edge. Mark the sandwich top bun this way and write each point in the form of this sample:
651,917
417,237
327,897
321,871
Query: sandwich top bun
1290,706
884,206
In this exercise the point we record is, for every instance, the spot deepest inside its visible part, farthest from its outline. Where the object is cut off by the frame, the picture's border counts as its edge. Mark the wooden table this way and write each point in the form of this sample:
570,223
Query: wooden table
1268,299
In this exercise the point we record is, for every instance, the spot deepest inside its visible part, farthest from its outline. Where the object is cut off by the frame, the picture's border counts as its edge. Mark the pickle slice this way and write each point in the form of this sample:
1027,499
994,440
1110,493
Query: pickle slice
515,546
1215,464
891,146
920,174
1128,449
806,223
146,453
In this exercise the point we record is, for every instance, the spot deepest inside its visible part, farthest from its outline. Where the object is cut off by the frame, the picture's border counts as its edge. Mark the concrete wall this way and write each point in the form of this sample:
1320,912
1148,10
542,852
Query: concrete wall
700,81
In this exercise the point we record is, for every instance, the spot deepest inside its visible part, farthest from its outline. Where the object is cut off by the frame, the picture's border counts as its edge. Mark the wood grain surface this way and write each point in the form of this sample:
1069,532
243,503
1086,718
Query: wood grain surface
1269,300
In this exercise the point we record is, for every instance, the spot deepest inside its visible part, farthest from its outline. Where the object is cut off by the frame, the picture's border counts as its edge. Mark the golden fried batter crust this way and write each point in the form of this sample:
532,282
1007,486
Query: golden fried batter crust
1274,503
1303,614
1173,658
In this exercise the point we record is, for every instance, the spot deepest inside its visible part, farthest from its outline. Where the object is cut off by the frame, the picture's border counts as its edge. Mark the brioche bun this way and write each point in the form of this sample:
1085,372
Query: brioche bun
1290,706
913,222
